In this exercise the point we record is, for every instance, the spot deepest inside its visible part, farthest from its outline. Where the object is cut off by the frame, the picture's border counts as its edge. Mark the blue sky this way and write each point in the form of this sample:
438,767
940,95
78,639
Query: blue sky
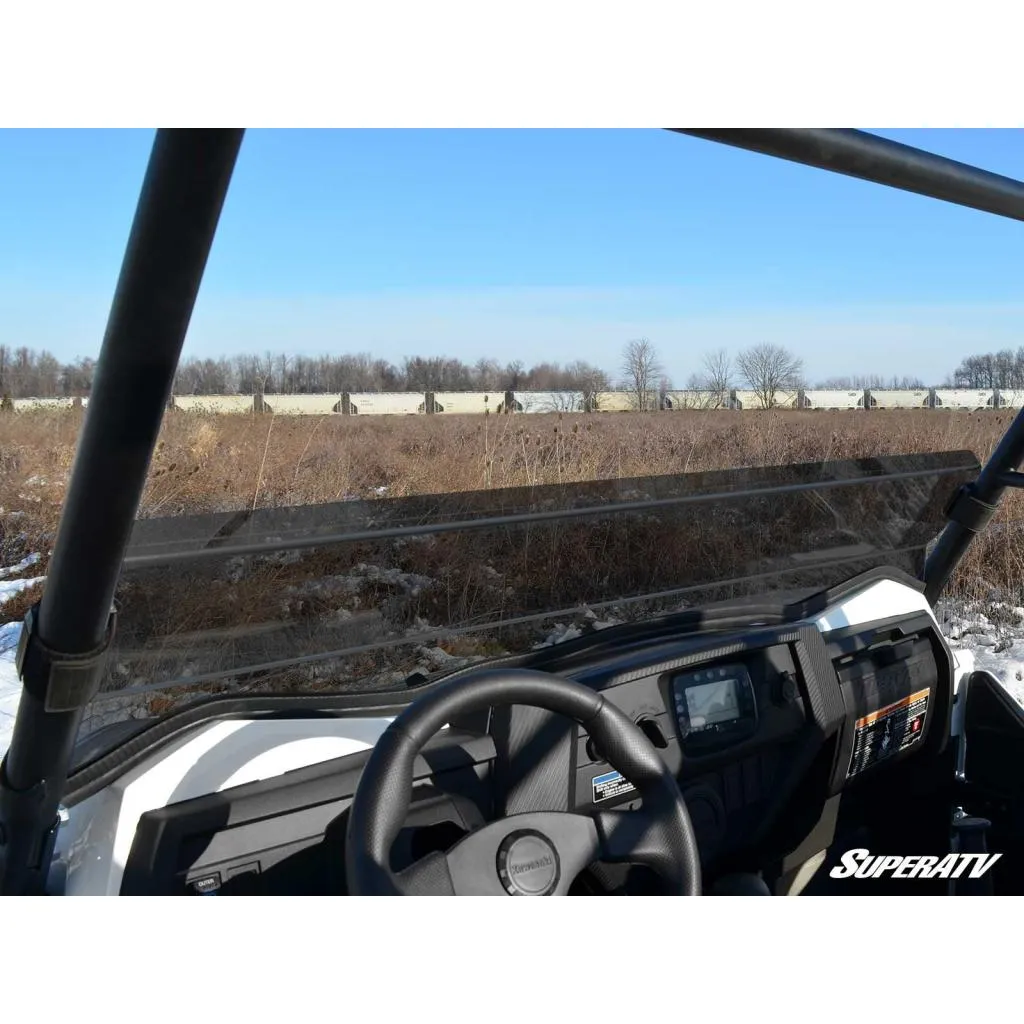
536,245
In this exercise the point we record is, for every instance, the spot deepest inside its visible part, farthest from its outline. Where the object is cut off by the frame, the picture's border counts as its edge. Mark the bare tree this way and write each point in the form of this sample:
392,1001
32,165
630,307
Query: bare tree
76,378
555,401
588,379
851,383
906,383
717,371
641,373
513,374
714,379
769,369
487,374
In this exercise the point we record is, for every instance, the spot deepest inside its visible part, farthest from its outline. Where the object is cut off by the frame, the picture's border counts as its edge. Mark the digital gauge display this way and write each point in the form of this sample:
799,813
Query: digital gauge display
712,703
714,707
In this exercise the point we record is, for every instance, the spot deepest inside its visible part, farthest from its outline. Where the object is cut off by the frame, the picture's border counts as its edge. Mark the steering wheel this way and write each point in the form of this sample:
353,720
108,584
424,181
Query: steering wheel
533,854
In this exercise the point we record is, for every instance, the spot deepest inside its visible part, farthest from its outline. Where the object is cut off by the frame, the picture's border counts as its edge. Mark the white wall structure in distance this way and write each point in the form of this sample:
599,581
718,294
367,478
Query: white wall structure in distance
29,404
549,401
622,401
690,399
468,403
1011,399
214,403
751,400
963,398
301,405
829,399
476,403
900,399
386,403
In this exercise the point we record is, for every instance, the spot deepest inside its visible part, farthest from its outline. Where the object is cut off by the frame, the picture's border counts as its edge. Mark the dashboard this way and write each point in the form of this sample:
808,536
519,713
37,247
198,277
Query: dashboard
756,724
766,727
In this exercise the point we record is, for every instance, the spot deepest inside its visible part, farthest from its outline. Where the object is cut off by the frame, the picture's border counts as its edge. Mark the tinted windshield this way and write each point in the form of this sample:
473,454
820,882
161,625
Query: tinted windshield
380,593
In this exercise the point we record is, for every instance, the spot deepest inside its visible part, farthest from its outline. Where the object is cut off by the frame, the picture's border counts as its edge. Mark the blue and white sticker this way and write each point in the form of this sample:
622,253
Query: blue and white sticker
609,785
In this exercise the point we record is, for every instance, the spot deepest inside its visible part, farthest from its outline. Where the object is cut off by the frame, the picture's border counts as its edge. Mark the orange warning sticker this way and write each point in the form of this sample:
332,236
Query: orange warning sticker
888,731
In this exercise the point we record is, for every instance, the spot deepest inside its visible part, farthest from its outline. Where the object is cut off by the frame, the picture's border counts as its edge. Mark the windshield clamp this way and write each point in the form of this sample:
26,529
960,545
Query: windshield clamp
1011,478
62,682
966,509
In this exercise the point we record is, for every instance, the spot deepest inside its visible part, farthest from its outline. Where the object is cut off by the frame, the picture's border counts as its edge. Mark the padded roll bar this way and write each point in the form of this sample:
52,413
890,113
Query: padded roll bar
66,636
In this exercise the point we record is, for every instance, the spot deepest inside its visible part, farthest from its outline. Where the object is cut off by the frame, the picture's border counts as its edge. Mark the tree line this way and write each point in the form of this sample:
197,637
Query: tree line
770,369
765,369
1003,369
25,373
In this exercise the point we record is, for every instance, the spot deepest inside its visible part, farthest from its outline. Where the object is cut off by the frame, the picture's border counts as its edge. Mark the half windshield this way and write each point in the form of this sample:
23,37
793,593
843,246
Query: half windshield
380,594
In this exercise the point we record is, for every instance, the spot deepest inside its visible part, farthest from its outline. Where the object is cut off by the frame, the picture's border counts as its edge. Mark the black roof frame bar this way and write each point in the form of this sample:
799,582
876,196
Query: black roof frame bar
866,156
871,158
187,179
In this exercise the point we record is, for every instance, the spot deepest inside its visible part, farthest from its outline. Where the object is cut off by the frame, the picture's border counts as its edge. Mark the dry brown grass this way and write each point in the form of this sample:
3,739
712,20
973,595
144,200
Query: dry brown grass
195,619
218,463
206,464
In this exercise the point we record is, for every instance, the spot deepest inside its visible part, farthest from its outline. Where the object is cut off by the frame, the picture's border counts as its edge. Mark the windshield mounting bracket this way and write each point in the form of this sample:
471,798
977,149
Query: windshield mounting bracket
966,509
61,681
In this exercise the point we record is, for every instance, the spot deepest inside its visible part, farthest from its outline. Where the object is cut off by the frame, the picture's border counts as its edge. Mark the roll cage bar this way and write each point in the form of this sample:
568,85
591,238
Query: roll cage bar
66,635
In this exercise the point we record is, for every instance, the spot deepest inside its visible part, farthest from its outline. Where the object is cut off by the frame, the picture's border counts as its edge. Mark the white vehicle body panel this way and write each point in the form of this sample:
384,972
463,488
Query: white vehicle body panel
95,841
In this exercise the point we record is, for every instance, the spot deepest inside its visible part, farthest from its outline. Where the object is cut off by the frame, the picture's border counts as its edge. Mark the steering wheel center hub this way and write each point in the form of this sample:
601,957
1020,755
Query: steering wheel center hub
528,864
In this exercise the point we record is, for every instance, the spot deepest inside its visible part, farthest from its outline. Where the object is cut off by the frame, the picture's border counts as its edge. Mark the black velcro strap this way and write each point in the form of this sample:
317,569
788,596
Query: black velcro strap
969,511
62,682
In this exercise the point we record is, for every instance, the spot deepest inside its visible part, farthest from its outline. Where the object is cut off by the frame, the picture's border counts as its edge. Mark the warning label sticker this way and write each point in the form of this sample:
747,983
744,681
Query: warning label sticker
888,731
611,784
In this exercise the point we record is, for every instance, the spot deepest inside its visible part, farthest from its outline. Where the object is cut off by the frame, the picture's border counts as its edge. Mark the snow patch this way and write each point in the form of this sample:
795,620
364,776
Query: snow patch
439,659
1007,667
606,623
10,570
11,588
10,684
559,635
354,581
992,635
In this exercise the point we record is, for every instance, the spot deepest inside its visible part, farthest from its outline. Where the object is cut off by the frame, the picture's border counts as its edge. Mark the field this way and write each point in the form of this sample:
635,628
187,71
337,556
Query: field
222,463
207,619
